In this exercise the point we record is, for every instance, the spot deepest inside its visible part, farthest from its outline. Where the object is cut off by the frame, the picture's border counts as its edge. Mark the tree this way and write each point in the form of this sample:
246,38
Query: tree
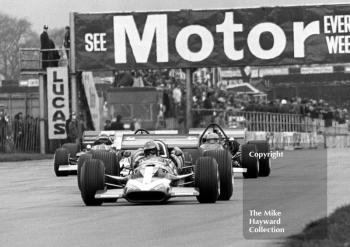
14,33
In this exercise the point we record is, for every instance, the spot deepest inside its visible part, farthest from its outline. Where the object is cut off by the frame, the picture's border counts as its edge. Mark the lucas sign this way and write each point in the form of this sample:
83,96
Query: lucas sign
58,102
205,38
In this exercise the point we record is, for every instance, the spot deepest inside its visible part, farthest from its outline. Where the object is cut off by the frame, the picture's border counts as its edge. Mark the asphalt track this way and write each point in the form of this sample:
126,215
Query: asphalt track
39,209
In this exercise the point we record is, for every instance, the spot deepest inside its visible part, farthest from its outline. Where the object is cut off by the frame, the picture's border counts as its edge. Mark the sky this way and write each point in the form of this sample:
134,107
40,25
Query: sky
55,13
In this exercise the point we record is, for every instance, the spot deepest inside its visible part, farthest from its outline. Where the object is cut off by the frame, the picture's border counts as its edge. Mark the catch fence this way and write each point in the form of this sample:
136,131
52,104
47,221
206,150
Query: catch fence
20,136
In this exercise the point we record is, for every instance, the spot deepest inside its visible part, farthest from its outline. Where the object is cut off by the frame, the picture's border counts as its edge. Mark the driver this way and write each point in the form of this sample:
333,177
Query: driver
212,142
103,139
151,152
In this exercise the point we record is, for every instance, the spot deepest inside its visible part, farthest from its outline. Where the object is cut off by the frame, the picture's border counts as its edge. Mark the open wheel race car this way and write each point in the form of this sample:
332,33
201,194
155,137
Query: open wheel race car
227,149
172,173
70,157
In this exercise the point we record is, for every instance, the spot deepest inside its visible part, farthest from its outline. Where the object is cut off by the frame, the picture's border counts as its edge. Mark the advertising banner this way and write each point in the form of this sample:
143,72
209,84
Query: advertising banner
58,102
212,38
92,98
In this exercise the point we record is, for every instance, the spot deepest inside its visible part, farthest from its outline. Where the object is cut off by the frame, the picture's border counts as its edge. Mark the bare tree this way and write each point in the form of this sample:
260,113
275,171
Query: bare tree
14,33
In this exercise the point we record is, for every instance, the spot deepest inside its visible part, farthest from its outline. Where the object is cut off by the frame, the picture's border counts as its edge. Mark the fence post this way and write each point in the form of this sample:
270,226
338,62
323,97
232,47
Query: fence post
42,113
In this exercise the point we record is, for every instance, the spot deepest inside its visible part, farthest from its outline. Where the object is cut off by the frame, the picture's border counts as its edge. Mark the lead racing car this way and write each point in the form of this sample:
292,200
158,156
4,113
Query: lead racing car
172,173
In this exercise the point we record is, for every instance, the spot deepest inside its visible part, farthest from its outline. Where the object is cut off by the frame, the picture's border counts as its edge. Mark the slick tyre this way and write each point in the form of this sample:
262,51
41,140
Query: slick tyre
110,162
207,180
250,162
61,158
223,158
73,149
92,180
264,162
82,159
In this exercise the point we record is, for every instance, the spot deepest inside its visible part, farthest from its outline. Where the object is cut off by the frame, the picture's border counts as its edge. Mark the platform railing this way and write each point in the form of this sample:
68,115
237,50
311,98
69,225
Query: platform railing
31,59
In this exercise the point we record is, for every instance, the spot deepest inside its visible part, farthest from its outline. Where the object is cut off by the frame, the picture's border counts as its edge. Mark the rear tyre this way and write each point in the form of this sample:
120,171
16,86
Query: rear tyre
110,162
223,158
207,179
92,180
264,162
249,161
61,158
73,149
82,159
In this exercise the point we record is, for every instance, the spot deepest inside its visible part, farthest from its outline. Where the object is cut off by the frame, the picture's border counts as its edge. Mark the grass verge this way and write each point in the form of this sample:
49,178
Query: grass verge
13,157
331,231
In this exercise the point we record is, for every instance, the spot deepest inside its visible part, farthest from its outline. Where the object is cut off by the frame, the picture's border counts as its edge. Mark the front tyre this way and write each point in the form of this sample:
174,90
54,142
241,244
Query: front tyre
92,180
264,162
82,159
223,158
110,162
61,158
207,179
249,161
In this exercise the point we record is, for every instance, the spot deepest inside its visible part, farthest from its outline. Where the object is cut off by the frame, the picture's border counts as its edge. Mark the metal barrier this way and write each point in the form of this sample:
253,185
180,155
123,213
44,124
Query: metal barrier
20,136
265,121
281,122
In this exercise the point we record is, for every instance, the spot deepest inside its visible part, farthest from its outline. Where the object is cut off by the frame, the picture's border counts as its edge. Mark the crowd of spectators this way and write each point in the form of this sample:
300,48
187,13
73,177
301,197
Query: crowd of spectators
18,133
210,102
315,109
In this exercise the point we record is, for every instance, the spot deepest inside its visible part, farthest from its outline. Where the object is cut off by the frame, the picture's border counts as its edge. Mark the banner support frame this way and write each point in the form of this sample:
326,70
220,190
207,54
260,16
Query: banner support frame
188,98
72,70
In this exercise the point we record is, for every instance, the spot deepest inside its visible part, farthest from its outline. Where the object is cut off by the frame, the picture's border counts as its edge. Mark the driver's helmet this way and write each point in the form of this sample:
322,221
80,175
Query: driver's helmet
150,147
105,139
212,138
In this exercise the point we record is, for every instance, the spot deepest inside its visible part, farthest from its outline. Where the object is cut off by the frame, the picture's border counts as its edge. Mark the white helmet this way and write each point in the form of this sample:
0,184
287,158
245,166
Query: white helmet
212,138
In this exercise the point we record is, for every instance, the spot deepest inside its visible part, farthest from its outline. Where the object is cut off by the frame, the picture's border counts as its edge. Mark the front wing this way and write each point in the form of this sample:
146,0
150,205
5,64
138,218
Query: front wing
174,192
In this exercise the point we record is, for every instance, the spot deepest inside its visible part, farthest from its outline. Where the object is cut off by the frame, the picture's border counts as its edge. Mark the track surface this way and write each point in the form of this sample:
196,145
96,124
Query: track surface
39,209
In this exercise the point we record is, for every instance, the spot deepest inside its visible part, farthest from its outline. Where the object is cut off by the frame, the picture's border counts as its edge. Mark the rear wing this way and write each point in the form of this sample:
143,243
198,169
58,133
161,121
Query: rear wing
89,137
235,133
172,140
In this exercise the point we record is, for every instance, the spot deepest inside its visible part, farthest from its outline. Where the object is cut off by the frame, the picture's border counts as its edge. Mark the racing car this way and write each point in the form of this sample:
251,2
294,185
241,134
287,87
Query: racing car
228,149
66,159
155,181
70,156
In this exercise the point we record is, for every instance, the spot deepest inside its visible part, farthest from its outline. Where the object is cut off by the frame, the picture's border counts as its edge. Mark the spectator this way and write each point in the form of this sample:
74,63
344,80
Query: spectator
107,125
3,130
18,130
138,81
45,44
123,79
54,56
135,124
117,125
72,126
208,105
66,41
